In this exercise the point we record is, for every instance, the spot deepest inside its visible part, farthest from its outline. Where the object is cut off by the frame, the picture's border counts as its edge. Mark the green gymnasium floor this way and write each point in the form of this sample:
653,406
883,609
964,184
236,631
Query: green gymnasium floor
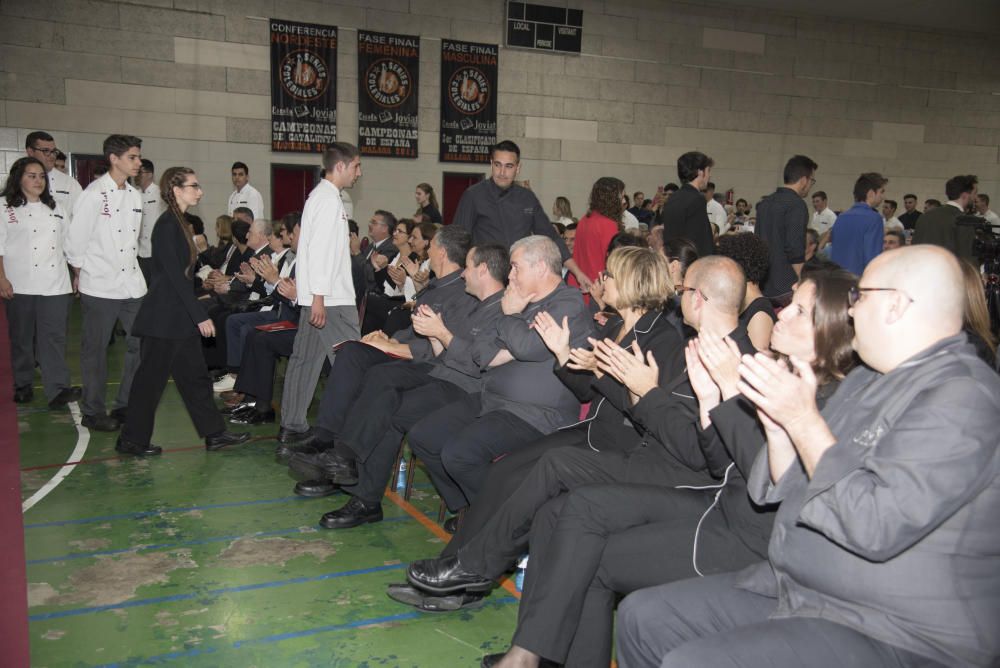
208,559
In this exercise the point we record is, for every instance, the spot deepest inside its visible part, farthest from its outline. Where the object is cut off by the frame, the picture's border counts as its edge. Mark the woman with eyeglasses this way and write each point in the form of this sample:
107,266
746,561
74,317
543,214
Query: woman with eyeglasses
607,540
35,282
170,323
377,307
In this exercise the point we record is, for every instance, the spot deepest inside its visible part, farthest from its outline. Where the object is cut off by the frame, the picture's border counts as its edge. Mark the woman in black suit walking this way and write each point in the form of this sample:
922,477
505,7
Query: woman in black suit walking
171,323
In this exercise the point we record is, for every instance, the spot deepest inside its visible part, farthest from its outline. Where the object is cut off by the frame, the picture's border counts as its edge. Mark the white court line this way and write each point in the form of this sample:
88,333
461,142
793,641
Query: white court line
82,440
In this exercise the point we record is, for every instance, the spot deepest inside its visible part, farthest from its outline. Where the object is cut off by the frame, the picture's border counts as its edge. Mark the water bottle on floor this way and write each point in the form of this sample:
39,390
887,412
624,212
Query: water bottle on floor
401,478
522,565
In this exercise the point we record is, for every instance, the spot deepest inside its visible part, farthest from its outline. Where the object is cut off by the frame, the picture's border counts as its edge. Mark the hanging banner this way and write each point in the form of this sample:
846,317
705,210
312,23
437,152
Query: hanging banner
303,86
468,101
388,76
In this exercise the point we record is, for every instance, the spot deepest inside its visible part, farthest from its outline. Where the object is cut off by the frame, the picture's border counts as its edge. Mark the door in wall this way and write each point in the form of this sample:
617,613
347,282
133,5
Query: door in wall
290,186
88,167
455,184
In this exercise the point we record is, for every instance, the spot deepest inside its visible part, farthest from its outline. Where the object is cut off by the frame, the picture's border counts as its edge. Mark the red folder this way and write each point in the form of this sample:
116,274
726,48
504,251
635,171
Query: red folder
280,326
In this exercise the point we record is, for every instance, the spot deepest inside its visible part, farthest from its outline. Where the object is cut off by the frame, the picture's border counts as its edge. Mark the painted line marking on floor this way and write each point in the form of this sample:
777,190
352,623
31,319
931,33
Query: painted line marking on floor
96,460
458,640
165,511
438,531
188,543
212,592
82,440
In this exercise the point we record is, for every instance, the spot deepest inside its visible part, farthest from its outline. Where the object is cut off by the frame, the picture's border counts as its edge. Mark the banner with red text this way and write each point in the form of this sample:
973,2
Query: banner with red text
303,86
388,76
468,100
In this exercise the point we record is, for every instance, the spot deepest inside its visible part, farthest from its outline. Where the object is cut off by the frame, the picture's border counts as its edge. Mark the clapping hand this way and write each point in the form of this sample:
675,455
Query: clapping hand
701,379
787,398
246,273
630,368
721,358
513,301
265,269
379,261
397,275
554,336
286,288
427,322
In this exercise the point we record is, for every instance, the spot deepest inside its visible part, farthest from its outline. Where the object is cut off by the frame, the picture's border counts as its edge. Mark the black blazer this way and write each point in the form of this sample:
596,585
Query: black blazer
169,310
686,215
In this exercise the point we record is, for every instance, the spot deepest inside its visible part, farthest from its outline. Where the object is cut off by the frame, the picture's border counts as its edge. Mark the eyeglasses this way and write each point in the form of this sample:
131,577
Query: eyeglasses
605,275
45,151
196,186
682,289
854,294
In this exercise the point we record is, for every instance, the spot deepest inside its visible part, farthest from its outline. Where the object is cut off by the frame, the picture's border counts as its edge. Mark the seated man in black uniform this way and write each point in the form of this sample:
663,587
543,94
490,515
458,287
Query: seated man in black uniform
398,394
445,294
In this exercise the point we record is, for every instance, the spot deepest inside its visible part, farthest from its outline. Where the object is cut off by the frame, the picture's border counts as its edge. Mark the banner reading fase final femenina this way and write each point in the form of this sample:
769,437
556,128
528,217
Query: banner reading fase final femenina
388,78
303,86
468,101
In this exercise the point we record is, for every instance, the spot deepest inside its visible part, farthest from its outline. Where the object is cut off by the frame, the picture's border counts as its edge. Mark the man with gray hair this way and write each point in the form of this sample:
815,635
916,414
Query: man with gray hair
521,398
884,550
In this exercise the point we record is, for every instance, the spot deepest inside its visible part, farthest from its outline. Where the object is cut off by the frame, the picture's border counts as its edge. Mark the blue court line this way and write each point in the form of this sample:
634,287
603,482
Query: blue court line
279,637
164,511
212,592
187,543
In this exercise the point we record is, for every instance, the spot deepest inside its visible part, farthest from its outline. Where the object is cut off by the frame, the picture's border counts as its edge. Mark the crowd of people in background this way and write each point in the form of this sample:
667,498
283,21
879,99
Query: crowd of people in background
760,433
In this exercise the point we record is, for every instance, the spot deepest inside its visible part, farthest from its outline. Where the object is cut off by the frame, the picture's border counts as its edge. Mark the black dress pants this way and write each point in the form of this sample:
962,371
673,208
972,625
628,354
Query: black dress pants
350,367
261,351
457,446
159,359
412,405
504,539
503,479
597,542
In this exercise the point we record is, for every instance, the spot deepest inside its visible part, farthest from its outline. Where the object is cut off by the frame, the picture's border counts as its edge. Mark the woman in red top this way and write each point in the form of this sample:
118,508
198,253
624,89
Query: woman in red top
595,230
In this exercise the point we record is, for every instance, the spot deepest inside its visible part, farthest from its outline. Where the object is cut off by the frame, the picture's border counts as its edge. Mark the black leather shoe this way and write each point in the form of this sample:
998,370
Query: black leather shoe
451,525
283,453
354,513
445,575
119,414
65,396
253,416
407,594
315,488
130,448
288,437
224,438
491,660
325,464
23,395
238,408
100,423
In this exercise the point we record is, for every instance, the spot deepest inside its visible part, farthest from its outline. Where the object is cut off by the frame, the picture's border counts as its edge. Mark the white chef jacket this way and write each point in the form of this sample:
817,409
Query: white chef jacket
717,214
153,207
31,243
103,240
324,255
823,220
65,190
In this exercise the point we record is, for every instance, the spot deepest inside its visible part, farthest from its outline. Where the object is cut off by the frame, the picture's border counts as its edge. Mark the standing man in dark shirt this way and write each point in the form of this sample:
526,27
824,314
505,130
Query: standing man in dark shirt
782,218
684,214
500,211
910,215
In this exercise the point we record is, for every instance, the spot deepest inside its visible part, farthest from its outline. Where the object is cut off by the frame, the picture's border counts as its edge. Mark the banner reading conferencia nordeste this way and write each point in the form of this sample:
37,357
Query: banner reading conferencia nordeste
303,86
468,100
388,78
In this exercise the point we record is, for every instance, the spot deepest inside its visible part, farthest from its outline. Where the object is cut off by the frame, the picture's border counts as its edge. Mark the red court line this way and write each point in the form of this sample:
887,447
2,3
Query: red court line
96,460
13,576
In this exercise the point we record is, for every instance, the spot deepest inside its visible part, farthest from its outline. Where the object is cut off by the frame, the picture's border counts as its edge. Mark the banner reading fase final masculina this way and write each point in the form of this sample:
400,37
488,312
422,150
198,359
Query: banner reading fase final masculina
468,101
388,79
303,86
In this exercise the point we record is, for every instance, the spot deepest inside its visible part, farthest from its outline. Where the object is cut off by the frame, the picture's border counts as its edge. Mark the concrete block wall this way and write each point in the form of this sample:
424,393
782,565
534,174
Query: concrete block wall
749,87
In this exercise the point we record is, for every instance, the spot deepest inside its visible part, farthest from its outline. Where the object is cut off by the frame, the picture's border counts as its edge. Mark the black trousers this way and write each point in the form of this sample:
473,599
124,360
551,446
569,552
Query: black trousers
377,308
160,359
710,622
597,542
505,537
347,377
261,351
410,407
504,477
457,446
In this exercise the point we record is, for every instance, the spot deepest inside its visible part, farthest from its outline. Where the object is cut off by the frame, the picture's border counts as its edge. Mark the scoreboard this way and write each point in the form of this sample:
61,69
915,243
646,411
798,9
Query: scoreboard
544,28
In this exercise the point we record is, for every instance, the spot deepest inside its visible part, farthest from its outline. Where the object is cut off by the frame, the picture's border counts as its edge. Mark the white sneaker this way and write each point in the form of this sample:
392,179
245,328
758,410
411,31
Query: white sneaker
225,383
